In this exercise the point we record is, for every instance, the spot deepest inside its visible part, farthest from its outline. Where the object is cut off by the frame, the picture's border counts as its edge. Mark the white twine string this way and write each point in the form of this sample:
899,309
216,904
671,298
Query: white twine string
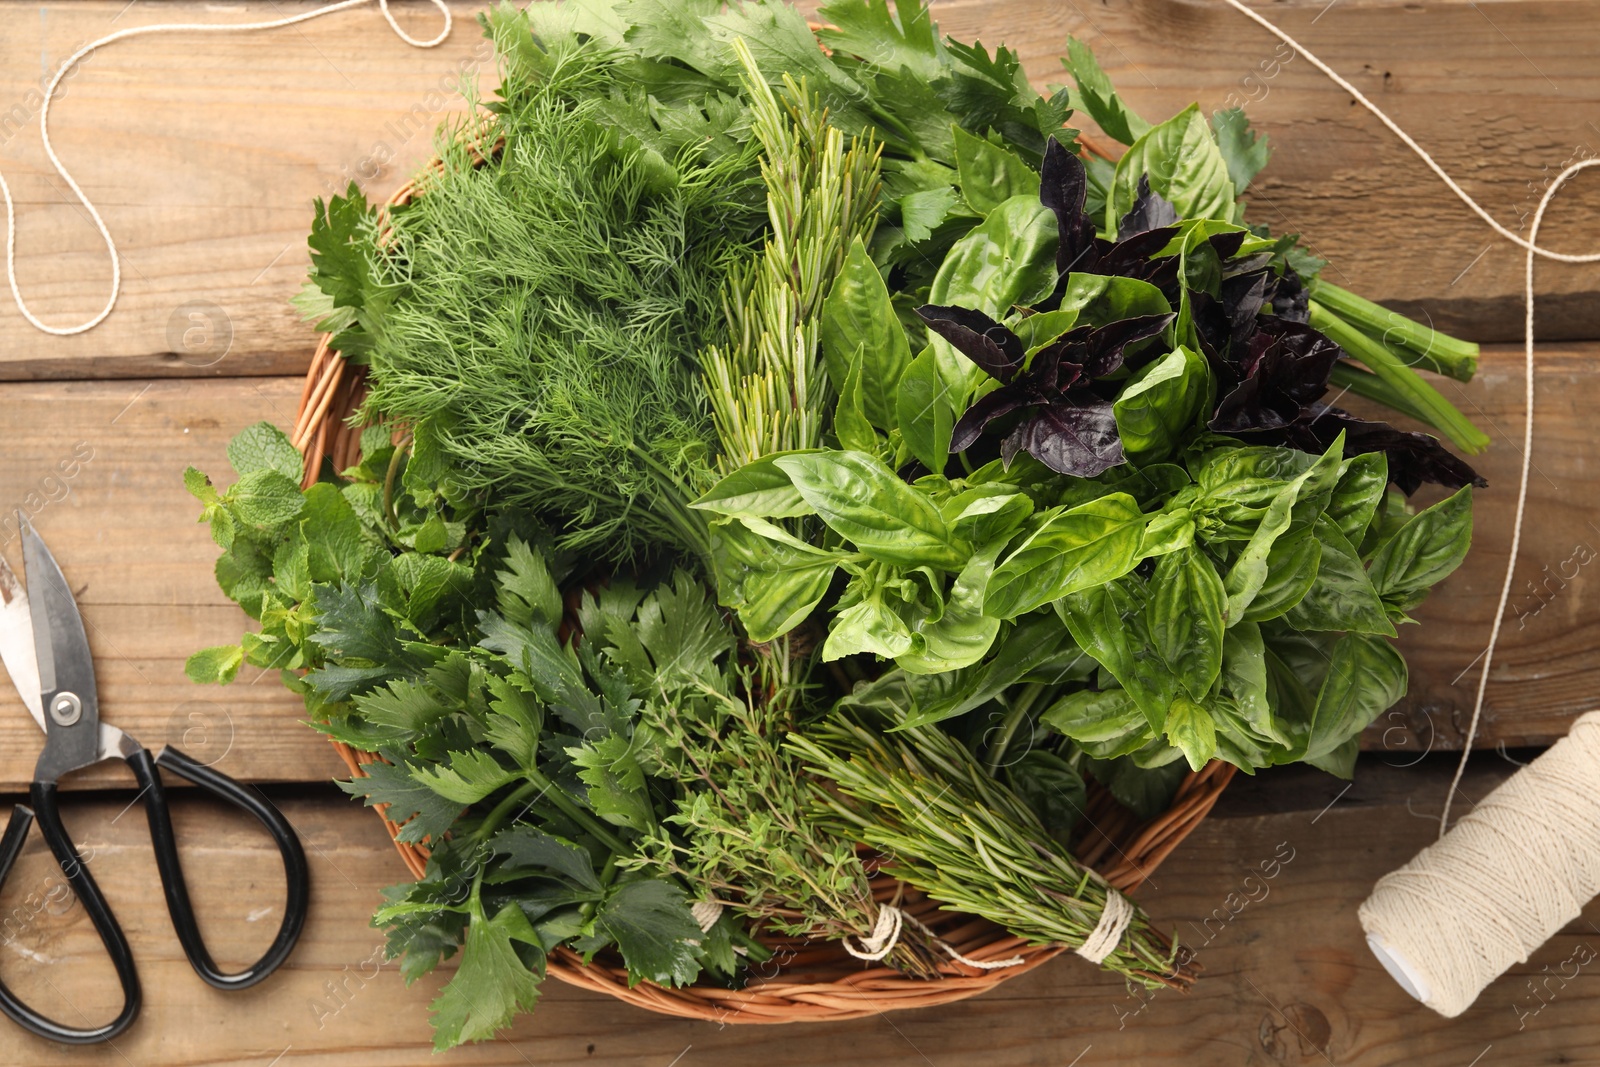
1114,920
60,168
706,913
886,933
1532,247
1508,875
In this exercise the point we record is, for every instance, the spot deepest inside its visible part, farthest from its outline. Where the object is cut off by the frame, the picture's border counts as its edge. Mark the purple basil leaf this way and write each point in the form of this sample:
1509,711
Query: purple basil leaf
1246,264
995,349
1070,438
1063,187
1284,368
1133,253
1414,458
1242,298
1002,401
1105,344
1289,298
1227,244
1150,211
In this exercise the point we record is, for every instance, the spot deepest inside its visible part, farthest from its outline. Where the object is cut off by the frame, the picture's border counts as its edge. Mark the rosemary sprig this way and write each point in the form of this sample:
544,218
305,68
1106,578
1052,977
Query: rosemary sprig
767,385
967,840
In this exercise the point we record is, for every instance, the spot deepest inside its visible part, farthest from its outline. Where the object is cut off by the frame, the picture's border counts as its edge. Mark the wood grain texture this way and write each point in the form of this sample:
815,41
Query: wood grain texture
204,152
1288,977
98,466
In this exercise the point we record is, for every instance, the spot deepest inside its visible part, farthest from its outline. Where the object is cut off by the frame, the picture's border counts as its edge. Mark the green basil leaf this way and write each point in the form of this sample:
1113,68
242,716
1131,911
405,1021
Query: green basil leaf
1366,676
1107,623
1362,480
1423,552
1167,531
1184,617
987,513
850,423
1008,259
1244,678
759,489
1158,405
1037,330
925,406
963,633
869,626
862,501
1068,551
1189,727
1185,166
1098,299
1250,570
1105,724
1292,566
858,314
990,174
1340,761
1237,742
1342,597
1038,645
772,586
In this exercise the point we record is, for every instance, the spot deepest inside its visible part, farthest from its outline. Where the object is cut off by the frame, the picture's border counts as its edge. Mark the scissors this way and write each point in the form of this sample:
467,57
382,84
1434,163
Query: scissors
46,652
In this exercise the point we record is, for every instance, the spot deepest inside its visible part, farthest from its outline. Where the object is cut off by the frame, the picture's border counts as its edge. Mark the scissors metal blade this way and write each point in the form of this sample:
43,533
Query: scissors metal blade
16,643
66,668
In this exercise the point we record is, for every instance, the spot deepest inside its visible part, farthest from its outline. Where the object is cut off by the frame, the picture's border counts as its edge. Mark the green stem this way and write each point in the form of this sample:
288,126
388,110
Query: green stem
540,785
690,524
1420,396
1015,717
1436,351
1352,378
388,483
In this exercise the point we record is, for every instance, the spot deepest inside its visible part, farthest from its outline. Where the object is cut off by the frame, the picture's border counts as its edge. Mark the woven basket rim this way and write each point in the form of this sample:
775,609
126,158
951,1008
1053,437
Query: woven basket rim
1122,849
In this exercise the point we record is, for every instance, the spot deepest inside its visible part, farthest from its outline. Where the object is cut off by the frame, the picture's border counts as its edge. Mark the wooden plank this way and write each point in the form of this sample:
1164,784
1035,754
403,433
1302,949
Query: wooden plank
203,153
1288,977
207,189
98,466
124,529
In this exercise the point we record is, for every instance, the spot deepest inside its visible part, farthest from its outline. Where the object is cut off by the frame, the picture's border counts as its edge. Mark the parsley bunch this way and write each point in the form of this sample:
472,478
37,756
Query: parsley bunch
426,631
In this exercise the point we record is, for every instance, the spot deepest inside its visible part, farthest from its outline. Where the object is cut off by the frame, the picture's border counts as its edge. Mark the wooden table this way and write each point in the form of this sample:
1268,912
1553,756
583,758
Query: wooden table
203,154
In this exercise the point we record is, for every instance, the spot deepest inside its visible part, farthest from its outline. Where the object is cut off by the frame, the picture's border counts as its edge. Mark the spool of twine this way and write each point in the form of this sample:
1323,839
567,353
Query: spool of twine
1505,879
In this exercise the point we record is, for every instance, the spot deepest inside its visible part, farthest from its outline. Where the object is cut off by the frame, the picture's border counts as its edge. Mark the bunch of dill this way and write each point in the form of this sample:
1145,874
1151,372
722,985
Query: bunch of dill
539,312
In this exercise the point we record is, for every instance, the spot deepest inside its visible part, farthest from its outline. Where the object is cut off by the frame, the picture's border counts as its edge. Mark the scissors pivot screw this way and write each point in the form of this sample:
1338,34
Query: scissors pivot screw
66,709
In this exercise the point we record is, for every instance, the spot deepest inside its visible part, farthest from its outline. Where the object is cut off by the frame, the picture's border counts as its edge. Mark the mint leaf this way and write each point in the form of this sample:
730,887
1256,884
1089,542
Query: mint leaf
266,500
264,447
339,549
654,930
214,665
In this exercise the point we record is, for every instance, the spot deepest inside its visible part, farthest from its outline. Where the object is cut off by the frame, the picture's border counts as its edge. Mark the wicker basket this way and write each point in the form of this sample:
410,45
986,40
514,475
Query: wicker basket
815,980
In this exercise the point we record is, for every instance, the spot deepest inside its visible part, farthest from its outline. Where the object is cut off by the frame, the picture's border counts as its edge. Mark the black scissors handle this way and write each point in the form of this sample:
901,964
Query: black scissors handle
224,788
45,809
